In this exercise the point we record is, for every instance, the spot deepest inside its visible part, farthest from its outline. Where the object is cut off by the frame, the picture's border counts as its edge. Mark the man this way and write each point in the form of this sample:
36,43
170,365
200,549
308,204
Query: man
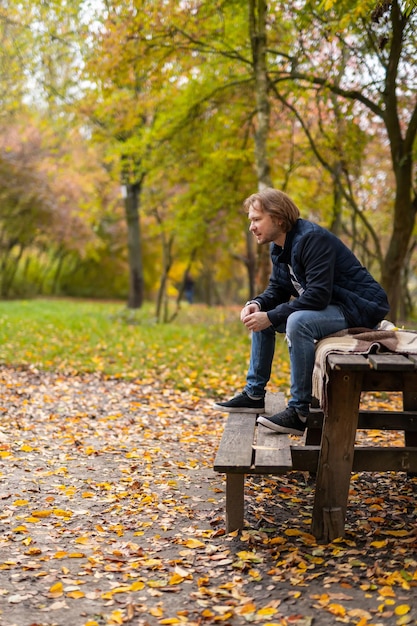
317,287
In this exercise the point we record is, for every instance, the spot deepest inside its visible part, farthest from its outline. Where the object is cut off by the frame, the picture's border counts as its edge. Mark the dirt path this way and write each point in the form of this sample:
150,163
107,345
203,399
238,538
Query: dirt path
111,514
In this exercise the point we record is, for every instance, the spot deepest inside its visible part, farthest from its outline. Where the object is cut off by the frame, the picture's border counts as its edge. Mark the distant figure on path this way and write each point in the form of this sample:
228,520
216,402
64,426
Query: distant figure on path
189,288
317,287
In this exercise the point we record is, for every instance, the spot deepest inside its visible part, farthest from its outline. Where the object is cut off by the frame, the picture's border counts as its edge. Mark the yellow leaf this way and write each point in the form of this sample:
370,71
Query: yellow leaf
379,544
121,589
41,513
76,555
337,609
176,579
56,590
87,494
170,620
223,618
248,556
33,551
75,594
194,543
32,520
387,592
156,611
138,585
267,611
20,502
107,595
116,617
275,540
20,529
247,609
60,555
402,609
62,513
26,448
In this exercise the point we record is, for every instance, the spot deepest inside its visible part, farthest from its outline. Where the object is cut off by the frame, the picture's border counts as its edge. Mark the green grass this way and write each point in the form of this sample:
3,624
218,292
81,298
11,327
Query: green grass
204,350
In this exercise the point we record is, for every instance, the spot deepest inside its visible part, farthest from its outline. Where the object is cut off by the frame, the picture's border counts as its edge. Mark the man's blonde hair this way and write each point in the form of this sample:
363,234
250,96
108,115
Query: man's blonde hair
277,204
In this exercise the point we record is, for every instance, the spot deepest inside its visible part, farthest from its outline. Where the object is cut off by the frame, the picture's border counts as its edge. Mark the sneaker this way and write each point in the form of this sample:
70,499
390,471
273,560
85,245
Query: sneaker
285,422
242,403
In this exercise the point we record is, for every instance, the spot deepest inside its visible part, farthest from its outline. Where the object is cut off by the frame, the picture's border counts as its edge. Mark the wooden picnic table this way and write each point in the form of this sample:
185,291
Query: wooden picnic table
329,450
349,376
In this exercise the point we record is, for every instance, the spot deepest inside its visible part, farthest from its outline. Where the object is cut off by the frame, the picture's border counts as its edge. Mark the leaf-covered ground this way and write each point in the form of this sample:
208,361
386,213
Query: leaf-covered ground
111,514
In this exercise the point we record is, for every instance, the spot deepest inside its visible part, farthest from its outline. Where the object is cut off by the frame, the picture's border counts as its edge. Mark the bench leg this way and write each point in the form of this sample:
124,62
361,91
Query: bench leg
235,506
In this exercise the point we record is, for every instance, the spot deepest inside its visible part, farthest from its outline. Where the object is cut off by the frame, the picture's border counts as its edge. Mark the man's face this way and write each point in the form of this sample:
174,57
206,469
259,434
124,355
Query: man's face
264,226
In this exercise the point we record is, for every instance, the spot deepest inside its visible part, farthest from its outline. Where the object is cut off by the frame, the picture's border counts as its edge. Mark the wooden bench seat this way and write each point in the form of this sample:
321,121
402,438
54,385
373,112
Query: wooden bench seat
328,448
249,448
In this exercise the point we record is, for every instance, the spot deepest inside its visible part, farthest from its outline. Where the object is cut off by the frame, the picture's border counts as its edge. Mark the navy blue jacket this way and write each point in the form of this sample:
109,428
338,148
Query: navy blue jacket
327,273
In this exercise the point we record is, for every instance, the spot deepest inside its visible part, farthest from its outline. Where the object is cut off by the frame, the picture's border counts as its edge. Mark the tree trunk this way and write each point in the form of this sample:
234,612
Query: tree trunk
404,219
401,146
257,32
251,264
134,244
167,260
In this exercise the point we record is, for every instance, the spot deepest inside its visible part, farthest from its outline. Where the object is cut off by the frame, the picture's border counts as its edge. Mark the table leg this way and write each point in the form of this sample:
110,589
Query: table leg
410,404
336,454
410,437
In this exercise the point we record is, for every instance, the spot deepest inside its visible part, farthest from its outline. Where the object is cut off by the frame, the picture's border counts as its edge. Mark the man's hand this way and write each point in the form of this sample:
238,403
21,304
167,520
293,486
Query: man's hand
251,307
254,320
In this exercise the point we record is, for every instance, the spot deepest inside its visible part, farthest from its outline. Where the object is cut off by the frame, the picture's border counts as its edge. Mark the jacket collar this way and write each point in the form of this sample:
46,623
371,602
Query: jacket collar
283,254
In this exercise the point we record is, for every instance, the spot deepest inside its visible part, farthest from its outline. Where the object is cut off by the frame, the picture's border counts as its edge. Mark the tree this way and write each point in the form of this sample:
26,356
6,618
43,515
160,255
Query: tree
321,52
45,209
121,71
384,43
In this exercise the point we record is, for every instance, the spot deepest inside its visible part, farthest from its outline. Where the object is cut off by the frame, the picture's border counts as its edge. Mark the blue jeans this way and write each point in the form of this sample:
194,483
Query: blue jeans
303,329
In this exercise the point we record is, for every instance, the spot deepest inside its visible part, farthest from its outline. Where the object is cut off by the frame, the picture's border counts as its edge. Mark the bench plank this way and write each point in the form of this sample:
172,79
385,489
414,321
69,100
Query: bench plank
235,453
365,458
376,420
305,458
272,452
353,362
388,420
380,459
390,362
